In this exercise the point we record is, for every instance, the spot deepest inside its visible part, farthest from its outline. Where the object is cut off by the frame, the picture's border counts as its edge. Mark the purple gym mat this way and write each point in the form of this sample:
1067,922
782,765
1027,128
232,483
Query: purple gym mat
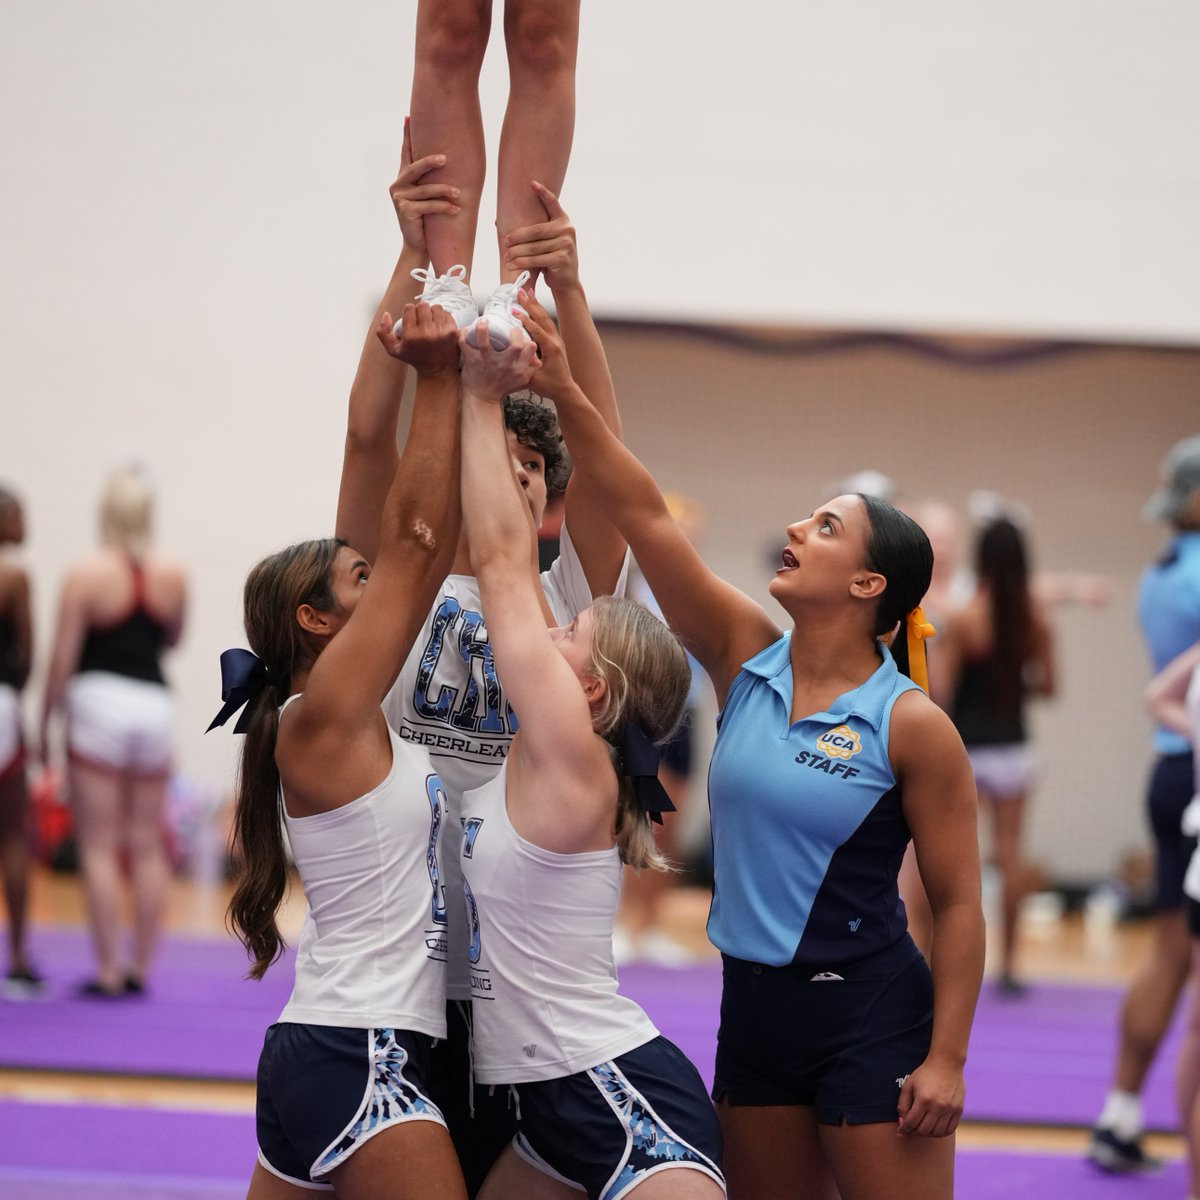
116,1152
200,1017
1047,1058
1044,1058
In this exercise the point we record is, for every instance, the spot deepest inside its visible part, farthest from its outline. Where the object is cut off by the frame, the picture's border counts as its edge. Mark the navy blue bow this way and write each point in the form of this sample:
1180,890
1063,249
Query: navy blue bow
639,760
243,676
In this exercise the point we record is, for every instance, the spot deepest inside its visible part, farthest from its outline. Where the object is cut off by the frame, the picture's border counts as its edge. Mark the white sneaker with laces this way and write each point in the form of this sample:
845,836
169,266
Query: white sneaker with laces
498,313
450,291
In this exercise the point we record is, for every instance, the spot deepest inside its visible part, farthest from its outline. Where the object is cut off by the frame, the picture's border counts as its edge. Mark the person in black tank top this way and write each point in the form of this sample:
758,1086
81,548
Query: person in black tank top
121,608
996,652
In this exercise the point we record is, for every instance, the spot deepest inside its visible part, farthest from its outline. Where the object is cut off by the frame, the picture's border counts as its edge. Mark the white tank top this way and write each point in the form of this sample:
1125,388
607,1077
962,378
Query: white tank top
373,951
543,981
448,699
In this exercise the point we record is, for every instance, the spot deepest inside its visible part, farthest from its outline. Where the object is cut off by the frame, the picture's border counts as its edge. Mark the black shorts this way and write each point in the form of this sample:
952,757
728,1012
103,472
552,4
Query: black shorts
323,1090
1172,785
482,1120
607,1129
841,1039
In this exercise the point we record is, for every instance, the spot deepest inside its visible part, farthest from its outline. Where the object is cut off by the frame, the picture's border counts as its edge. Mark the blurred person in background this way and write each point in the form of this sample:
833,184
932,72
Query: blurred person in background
1169,614
16,653
1173,700
120,609
993,653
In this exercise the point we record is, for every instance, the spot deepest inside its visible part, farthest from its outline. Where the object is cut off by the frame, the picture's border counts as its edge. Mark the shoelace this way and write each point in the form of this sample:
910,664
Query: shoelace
436,285
505,296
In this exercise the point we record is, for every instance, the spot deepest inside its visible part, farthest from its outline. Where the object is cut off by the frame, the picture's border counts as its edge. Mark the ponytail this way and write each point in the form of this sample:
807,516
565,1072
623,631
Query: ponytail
263,871
274,590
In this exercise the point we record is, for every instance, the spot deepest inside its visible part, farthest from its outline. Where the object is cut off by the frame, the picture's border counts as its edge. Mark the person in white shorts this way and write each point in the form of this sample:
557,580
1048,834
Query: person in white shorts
447,696
343,1099
604,1103
121,608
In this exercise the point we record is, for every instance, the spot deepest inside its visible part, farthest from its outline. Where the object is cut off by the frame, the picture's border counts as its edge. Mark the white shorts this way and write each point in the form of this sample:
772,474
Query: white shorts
1002,772
120,724
12,744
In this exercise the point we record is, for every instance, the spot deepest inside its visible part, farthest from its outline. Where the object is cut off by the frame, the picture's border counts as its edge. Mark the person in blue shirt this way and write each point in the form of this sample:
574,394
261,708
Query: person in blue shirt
835,1036
1169,615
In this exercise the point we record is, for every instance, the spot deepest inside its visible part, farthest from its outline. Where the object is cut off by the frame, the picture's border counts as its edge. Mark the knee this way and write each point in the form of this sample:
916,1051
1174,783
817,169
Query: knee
539,47
453,40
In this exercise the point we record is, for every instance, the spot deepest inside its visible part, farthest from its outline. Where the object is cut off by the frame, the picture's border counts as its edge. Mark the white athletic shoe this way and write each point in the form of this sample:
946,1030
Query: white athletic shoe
498,313
450,291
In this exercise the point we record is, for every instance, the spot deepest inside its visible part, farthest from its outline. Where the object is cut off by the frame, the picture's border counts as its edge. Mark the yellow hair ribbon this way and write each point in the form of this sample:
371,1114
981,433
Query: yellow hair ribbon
916,630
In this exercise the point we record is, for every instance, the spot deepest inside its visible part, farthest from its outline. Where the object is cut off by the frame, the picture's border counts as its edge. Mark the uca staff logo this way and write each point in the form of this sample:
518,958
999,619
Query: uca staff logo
841,742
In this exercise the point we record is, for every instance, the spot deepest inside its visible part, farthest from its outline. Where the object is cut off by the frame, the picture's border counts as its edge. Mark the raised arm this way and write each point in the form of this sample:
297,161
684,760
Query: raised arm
550,247
940,806
556,747
371,454
418,534
720,625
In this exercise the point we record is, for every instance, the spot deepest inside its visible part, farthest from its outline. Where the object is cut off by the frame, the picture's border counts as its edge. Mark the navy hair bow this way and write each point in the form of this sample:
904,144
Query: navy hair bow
639,760
243,676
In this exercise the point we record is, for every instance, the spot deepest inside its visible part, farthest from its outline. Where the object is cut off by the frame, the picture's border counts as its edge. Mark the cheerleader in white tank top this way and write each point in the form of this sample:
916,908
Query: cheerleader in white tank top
603,1102
343,1100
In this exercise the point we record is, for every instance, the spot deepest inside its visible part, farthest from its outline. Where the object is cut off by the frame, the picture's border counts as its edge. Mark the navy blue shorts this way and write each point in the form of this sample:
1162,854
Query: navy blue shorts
842,1039
1172,785
323,1090
607,1129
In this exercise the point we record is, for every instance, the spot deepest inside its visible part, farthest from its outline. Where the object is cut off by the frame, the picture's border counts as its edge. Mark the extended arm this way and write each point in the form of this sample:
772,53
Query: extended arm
370,455
940,807
418,534
556,739
550,247
721,626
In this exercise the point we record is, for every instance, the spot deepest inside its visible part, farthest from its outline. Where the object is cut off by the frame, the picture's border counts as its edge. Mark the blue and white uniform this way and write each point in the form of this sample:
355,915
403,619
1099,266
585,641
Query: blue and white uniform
369,995
604,1101
808,837
1169,615
448,700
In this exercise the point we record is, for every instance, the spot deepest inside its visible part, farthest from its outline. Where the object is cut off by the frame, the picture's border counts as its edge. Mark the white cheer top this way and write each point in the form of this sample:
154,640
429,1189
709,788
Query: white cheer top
448,699
543,981
373,950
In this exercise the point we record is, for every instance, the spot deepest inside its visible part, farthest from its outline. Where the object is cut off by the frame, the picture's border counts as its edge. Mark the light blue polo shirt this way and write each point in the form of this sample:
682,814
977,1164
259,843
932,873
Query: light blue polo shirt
1169,613
807,828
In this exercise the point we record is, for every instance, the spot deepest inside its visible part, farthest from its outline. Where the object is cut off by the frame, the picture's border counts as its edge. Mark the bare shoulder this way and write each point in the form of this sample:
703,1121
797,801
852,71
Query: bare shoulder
920,731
